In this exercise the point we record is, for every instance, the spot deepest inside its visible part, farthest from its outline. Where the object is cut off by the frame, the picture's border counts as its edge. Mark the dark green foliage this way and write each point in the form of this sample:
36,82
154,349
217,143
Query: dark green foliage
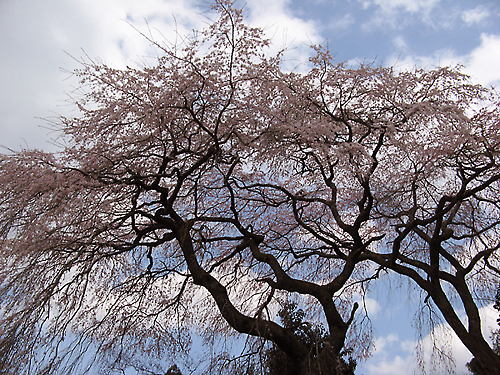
174,370
321,360
474,366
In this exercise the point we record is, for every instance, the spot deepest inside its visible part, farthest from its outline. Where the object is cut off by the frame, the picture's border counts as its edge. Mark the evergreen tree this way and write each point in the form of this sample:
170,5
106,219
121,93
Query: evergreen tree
321,359
174,370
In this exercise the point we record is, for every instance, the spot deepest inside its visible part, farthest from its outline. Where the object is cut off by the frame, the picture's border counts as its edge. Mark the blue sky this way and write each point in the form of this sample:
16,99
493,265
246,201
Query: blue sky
383,30
39,38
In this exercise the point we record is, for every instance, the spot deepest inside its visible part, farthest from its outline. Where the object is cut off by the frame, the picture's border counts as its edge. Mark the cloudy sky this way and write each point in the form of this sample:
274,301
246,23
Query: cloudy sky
41,41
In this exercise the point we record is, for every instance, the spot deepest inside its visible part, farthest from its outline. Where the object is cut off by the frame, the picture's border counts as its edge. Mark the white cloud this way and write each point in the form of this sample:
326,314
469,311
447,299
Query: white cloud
411,6
397,14
276,18
482,63
439,58
284,29
372,307
382,342
113,34
394,366
476,15
35,35
400,43
341,23
385,362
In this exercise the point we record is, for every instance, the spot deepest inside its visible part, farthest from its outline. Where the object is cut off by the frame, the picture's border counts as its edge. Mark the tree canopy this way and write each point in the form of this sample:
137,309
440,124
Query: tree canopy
208,189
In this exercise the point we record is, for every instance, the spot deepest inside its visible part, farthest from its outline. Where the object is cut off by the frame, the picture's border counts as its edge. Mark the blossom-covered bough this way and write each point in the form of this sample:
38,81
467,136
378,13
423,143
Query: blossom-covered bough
221,172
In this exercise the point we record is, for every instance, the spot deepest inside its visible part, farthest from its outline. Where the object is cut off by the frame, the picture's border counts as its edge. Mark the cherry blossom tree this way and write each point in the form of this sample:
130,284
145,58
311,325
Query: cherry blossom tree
407,170
209,189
